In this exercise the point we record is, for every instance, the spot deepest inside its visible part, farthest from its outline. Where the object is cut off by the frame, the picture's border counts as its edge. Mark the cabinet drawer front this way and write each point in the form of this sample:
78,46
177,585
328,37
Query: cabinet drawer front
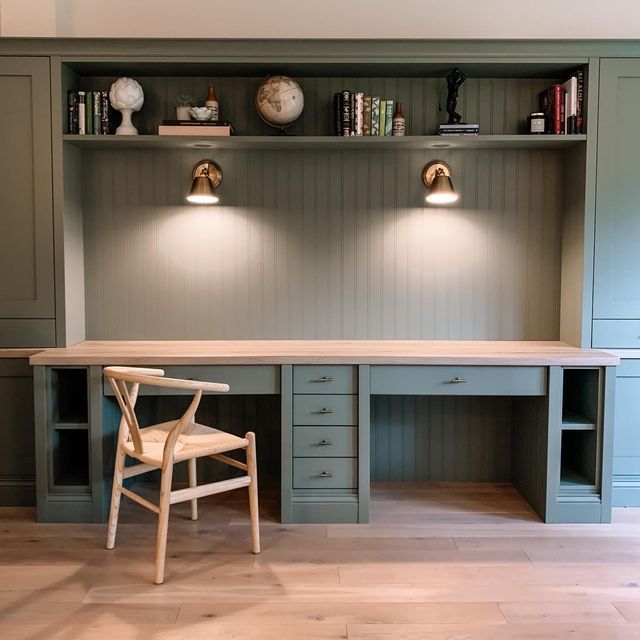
325,473
325,379
463,380
626,433
620,334
325,409
318,442
629,369
242,379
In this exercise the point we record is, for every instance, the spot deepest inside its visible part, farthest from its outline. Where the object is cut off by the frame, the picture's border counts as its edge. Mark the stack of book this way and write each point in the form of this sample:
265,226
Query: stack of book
458,129
90,113
195,127
562,105
358,115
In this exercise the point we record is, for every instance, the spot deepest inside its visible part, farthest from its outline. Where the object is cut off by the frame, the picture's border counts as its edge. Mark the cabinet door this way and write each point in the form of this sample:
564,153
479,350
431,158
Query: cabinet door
26,240
617,254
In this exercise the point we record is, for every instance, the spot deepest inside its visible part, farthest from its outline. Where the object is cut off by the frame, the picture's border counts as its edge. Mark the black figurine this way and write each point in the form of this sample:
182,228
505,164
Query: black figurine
454,80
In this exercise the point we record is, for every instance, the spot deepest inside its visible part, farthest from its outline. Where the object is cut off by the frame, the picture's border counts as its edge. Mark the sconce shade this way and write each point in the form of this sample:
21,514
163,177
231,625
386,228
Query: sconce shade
437,178
206,177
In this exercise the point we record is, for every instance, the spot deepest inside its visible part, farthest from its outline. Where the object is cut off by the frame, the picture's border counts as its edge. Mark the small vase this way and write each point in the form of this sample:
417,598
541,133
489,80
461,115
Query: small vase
182,113
126,127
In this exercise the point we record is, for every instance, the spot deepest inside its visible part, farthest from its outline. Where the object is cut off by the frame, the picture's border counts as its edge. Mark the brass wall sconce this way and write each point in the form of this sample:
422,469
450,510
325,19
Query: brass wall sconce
207,176
437,178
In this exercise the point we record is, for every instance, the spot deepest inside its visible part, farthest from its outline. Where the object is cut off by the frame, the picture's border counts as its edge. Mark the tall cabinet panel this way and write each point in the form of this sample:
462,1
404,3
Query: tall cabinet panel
617,252
27,302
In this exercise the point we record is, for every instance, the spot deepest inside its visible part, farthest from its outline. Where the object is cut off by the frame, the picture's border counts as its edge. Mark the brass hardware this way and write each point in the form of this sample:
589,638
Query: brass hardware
436,176
324,442
207,177
324,410
326,474
323,379
457,380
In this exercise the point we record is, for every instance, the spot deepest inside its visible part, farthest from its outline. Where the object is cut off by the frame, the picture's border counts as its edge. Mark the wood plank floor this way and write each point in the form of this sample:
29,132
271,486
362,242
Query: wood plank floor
449,562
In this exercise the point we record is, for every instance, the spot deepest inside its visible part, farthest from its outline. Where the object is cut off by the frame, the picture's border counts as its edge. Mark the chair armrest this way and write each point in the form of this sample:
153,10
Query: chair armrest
192,385
134,371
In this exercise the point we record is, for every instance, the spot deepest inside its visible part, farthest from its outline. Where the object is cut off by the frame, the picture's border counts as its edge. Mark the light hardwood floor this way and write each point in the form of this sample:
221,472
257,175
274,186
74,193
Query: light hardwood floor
448,562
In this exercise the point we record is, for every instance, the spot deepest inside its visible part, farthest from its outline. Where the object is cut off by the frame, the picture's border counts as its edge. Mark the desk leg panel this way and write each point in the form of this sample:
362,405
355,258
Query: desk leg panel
286,473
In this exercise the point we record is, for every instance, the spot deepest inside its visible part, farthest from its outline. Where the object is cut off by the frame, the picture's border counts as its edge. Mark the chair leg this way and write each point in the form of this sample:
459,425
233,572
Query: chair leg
118,474
193,482
163,522
252,469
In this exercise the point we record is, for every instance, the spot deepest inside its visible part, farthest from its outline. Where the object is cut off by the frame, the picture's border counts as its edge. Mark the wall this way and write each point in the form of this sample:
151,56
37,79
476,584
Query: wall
331,18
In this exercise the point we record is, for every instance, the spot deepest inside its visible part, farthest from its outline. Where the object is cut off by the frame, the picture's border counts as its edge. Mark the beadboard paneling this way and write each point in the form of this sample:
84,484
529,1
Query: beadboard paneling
322,244
437,438
498,105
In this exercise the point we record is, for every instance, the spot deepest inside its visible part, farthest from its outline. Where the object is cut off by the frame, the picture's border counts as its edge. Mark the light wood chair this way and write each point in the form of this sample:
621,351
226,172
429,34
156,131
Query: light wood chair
160,446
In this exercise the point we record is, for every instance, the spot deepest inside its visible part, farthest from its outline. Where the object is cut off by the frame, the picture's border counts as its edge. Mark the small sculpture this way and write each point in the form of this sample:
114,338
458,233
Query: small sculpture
454,81
126,96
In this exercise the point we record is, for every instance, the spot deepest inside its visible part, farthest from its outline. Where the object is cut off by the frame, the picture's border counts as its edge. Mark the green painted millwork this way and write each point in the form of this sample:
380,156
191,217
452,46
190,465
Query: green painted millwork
286,443
622,334
242,379
364,441
327,379
17,446
316,442
322,510
16,333
325,473
319,409
617,267
462,380
626,441
26,244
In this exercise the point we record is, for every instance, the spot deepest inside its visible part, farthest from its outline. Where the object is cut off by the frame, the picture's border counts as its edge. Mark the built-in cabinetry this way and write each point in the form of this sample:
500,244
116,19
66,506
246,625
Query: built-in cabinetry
616,291
318,236
27,300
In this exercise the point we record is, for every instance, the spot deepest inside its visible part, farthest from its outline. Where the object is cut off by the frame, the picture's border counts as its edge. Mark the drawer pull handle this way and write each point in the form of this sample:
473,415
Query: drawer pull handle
324,410
326,474
324,443
457,380
323,379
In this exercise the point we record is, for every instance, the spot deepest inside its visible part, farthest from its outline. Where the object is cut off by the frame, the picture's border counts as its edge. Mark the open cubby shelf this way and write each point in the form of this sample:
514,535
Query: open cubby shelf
576,421
70,452
70,394
284,142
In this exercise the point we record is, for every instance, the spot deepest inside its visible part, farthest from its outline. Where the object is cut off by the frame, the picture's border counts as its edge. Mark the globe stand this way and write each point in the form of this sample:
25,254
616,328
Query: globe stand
282,131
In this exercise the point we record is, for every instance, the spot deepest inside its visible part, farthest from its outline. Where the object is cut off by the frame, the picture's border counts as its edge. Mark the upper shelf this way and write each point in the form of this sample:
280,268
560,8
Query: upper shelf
277,142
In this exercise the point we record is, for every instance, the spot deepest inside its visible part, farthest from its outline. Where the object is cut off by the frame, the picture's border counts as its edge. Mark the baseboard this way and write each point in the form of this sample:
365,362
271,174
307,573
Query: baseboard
17,491
626,491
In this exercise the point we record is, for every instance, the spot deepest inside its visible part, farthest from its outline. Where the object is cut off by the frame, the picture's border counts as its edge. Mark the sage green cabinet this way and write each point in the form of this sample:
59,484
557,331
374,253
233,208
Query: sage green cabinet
17,434
27,303
617,255
626,440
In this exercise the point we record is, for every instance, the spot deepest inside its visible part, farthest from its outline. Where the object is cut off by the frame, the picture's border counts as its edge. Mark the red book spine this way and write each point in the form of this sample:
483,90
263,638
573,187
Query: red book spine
558,102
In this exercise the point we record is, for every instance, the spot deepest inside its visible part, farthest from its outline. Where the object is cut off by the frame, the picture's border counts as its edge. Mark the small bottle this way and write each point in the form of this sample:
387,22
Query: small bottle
212,102
398,121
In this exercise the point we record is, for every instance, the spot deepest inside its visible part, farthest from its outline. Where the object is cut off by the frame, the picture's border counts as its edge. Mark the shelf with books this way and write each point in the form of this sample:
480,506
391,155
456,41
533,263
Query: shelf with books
275,142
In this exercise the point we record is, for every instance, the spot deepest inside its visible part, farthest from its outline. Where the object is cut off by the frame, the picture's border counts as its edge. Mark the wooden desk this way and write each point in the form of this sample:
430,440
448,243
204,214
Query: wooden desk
560,431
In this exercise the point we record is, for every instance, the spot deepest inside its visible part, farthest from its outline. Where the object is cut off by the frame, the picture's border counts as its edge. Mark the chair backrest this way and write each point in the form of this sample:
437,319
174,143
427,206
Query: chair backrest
127,396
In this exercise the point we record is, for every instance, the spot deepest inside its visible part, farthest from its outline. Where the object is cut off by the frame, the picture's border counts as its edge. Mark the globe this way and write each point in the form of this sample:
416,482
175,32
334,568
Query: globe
279,101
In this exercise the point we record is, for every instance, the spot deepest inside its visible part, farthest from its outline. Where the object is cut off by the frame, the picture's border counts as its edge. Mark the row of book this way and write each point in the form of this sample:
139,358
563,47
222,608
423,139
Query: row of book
562,105
90,113
358,115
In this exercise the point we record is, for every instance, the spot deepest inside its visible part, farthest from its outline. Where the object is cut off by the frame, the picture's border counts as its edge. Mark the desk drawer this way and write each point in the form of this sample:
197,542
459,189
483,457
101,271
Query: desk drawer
325,379
325,473
629,368
318,442
621,334
319,409
242,379
464,380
